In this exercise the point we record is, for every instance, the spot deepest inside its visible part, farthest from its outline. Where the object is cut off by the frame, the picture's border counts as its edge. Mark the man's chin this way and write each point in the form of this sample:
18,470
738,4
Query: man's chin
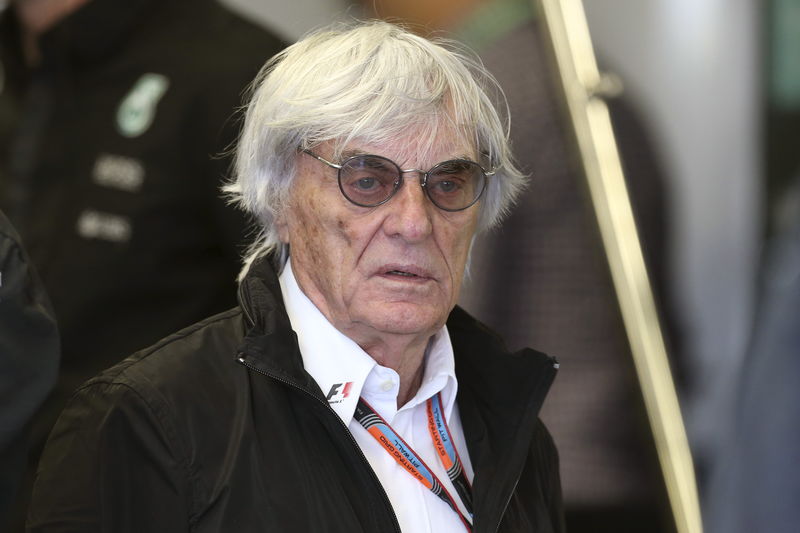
407,319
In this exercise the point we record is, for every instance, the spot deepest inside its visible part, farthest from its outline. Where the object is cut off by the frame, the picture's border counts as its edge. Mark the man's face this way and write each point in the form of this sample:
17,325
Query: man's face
392,269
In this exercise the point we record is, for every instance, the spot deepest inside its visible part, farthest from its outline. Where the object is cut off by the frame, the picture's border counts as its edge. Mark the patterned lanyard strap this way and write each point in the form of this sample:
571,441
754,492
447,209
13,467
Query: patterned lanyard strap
413,463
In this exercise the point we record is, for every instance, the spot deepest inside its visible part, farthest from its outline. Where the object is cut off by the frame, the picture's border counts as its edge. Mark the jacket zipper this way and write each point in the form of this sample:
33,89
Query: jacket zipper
508,500
347,432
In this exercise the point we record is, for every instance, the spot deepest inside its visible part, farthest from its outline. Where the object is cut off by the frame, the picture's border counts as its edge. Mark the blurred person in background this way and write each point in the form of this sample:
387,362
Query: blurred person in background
346,392
112,116
29,351
543,279
755,486
755,482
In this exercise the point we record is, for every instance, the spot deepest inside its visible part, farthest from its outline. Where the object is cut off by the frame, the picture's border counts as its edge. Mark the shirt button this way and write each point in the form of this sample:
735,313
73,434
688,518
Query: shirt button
388,385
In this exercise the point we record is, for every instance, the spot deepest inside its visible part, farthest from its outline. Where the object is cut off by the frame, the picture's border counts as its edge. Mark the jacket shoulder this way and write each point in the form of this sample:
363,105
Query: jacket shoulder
148,410
470,334
182,362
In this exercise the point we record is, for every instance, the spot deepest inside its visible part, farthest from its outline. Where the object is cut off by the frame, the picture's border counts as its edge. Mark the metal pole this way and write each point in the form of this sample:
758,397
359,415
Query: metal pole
584,87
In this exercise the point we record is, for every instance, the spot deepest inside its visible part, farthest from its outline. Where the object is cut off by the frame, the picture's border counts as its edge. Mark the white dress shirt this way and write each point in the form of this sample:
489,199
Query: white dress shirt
344,372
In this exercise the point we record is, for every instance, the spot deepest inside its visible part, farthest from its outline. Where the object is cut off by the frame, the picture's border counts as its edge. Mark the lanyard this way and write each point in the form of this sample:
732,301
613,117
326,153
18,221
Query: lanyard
412,463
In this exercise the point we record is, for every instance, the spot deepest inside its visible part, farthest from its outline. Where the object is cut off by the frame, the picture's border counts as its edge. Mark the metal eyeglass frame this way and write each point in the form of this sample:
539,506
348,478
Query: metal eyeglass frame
399,183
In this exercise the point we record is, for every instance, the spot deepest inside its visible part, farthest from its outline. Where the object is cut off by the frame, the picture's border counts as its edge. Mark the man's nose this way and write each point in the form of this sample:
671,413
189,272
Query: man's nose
411,210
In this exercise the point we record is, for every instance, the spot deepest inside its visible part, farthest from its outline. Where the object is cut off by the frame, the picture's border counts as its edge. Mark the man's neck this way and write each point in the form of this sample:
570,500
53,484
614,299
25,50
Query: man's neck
403,355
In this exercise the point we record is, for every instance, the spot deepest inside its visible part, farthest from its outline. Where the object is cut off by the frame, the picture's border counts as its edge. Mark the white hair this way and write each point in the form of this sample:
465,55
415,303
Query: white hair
375,82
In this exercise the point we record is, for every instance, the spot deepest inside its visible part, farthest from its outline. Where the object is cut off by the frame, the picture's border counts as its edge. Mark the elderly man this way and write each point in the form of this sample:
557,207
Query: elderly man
346,392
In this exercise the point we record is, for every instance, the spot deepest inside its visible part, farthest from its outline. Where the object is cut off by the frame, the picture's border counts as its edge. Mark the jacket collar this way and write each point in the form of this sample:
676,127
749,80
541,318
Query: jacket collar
270,344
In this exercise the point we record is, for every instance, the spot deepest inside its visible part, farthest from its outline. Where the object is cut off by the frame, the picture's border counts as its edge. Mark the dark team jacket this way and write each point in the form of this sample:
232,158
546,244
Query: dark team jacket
109,168
111,172
218,428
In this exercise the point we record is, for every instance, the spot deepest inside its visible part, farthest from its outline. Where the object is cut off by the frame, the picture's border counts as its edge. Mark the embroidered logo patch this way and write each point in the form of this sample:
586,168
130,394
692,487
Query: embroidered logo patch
338,392
138,109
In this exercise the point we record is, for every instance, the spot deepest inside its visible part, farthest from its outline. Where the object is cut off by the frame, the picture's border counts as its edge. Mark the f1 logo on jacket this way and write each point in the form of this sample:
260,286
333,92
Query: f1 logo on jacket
338,392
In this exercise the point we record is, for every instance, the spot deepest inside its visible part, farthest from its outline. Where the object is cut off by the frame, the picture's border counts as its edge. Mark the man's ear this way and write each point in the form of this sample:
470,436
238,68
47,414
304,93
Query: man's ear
282,226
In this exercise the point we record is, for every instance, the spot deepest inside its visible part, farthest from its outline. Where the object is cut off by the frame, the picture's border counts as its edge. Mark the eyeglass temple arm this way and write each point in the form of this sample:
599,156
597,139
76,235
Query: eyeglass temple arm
315,156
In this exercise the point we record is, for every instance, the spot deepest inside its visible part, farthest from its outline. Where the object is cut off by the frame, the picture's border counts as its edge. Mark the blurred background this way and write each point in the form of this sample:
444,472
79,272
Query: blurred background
710,118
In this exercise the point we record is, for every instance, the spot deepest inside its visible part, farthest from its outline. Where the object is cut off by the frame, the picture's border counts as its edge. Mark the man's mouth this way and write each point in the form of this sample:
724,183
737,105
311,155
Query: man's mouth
406,272
401,273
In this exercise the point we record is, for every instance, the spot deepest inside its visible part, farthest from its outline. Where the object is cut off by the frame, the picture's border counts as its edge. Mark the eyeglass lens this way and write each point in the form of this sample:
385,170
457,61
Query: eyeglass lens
369,180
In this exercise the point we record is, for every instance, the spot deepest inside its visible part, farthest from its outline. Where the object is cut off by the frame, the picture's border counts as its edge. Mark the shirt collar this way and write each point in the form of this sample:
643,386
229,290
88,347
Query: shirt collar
344,371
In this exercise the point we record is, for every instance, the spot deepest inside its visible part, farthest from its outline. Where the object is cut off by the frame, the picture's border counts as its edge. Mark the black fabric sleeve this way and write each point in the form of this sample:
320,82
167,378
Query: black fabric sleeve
29,354
113,463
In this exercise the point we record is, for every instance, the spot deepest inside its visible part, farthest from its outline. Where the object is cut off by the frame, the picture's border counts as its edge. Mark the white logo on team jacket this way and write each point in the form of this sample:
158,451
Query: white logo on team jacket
138,109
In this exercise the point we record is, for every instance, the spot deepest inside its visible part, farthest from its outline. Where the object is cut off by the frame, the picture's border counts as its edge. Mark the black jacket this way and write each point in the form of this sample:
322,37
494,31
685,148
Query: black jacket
29,352
219,428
